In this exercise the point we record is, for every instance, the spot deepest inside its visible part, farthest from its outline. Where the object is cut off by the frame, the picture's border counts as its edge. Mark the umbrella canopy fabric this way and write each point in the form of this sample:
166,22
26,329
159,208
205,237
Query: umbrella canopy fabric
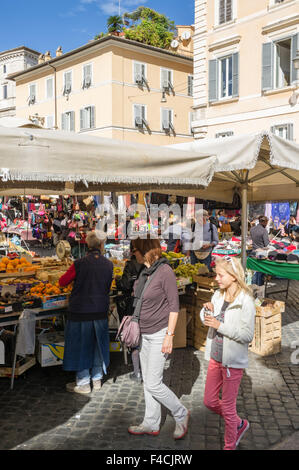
69,163
11,121
267,164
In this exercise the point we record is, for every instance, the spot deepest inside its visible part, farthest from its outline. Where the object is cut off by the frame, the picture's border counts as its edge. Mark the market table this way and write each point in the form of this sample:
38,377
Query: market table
278,269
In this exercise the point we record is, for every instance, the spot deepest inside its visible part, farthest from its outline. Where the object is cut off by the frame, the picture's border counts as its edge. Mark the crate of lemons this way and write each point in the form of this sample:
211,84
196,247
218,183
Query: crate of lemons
16,265
44,290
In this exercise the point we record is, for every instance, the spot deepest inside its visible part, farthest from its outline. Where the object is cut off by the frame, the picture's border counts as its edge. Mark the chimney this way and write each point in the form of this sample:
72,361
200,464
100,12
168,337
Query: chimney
41,59
59,51
47,56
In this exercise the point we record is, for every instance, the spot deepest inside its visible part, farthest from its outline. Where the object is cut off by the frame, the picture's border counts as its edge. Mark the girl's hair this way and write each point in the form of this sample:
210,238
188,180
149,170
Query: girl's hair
150,249
234,267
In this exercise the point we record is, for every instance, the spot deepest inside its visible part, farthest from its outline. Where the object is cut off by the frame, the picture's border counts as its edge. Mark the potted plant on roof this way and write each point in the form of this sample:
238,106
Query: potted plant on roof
115,25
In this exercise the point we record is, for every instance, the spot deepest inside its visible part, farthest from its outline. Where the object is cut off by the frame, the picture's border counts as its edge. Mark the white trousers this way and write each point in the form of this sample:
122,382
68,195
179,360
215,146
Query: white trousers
156,393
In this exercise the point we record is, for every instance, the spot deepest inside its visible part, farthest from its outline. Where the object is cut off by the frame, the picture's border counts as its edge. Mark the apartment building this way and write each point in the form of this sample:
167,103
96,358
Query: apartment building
245,79
11,61
115,88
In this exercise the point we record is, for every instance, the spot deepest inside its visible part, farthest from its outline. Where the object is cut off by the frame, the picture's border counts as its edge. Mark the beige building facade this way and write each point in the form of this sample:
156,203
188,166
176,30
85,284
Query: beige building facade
245,80
114,88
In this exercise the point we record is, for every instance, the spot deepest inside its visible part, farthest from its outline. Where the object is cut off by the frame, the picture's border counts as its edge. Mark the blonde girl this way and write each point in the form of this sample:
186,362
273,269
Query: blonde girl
230,317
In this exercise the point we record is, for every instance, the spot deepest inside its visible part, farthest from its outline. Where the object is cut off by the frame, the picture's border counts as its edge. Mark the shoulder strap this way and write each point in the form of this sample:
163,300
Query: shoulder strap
212,234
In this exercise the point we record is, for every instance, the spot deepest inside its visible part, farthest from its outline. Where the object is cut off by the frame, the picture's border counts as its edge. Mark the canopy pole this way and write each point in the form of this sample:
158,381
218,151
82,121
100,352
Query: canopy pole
244,226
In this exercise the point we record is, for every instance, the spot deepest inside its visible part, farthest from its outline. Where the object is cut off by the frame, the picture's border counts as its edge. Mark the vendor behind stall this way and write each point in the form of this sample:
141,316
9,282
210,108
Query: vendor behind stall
260,239
86,333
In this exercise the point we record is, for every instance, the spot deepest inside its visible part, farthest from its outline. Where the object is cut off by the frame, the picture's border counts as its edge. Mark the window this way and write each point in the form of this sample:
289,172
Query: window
87,76
285,131
224,77
87,117
224,134
4,68
67,83
192,117
278,1
5,92
167,120
140,73
225,11
167,80
68,121
49,88
190,85
32,94
278,67
139,116
49,124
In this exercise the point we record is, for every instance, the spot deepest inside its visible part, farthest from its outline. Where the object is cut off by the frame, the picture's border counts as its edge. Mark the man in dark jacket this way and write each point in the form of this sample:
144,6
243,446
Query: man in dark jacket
260,239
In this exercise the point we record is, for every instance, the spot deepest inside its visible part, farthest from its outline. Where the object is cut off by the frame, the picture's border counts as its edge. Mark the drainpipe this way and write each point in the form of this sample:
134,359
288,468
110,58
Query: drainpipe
55,95
244,190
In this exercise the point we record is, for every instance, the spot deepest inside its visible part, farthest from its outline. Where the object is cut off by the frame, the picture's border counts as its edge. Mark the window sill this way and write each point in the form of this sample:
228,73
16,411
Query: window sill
218,27
277,5
276,91
224,101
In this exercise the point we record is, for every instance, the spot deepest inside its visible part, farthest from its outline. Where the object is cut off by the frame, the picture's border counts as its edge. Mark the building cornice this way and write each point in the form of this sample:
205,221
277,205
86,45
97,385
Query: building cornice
280,24
98,45
224,43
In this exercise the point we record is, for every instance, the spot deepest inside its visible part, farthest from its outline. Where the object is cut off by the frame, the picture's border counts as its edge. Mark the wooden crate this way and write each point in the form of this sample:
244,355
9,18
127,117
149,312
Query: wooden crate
200,335
267,335
19,369
206,281
270,307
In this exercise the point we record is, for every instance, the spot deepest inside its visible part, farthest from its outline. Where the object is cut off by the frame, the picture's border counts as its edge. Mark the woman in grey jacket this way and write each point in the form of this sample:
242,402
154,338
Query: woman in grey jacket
230,317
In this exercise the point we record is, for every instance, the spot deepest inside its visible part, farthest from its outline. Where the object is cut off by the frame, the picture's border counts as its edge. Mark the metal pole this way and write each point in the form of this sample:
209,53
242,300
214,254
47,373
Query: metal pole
244,226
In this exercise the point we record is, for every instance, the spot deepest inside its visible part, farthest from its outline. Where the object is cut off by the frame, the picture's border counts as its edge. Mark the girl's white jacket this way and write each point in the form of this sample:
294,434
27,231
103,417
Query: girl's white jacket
237,329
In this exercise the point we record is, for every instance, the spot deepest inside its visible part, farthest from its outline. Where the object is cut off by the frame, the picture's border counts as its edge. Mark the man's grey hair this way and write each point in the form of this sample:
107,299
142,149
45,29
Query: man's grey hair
96,240
201,213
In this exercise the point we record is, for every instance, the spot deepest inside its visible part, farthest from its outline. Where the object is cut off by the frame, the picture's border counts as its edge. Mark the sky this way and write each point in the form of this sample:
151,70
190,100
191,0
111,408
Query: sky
43,25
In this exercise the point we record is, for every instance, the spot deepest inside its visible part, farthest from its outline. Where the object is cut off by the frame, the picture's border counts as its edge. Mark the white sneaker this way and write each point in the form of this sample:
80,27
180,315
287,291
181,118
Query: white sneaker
83,389
96,385
139,430
181,428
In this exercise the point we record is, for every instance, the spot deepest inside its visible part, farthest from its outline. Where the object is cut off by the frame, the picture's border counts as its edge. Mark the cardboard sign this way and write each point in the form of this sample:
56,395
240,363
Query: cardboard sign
11,289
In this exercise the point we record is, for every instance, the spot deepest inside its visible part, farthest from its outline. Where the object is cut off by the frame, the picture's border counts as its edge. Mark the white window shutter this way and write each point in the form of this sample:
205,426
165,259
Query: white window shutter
165,118
137,70
267,66
50,88
164,78
63,122
82,123
72,121
87,76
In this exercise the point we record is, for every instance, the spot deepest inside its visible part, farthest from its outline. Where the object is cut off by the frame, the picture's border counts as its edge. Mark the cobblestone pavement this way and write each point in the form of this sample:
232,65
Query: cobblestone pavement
40,415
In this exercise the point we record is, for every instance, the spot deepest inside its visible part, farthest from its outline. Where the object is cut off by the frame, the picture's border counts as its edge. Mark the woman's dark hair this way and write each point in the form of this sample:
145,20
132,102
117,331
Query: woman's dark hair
150,248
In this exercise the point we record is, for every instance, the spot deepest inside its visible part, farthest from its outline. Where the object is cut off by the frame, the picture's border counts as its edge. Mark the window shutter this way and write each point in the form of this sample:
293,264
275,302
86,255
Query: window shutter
164,78
267,66
92,116
190,85
82,120
87,76
50,88
221,11
290,134
213,80
63,122
165,118
68,82
235,58
72,121
137,70
294,47
229,11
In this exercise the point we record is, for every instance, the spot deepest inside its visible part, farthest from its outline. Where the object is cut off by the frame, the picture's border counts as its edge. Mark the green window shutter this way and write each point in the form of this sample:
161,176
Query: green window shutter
213,80
267,66
294,47
235,74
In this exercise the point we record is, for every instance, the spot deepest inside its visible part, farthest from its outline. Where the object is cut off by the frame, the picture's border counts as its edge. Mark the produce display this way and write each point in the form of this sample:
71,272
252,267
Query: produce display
171,256
44,290
190,270
15,265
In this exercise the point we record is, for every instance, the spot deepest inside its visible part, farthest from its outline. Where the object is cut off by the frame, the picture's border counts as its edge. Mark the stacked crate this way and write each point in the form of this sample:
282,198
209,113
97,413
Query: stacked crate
188,301
267,333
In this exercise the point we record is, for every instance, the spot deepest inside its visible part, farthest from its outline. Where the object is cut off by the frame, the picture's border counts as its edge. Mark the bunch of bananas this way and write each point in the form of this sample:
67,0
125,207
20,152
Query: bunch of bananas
187,270
172,256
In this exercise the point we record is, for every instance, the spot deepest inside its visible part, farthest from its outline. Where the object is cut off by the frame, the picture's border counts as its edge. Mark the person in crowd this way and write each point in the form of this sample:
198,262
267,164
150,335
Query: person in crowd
57,230
205,239
86,332
292,225
158,301
213,218
236,226
125,284
260,239
230,317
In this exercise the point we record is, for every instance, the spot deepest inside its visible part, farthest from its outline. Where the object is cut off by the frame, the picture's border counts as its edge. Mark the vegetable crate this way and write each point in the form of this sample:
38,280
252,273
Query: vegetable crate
267,335
199,334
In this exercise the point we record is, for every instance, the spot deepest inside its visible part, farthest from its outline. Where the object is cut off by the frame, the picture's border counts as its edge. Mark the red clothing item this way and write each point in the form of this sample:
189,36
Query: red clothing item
68,277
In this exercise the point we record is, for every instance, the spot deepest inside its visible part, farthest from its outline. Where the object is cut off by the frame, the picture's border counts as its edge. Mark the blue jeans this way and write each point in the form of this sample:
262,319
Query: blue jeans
95,373
258,278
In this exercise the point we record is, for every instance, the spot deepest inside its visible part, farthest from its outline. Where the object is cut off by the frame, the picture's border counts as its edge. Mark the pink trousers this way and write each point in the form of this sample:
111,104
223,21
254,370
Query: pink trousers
227,380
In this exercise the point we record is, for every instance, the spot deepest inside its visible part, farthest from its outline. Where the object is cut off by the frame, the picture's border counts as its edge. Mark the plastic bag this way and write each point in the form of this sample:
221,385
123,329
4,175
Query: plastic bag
26,334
